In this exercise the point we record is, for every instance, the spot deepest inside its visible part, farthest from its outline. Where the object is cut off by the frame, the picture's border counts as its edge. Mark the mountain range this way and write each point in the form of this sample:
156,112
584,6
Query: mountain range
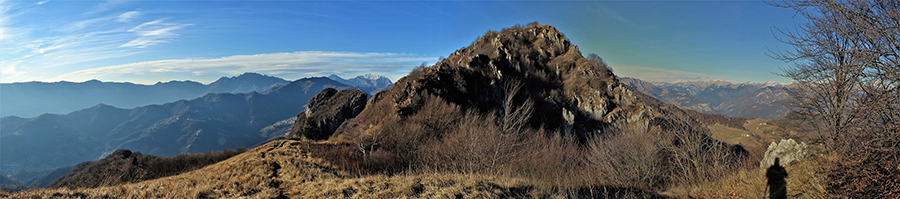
368,83
211,122
521,103
747,100
30,99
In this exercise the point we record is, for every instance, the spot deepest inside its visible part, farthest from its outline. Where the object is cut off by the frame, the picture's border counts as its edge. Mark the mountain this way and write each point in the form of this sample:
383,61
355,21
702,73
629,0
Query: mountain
680,99
31,99
715,92
291,169
535,65
212,122
747,100
523,100
368,83
763,103
244,83
518,113
7,184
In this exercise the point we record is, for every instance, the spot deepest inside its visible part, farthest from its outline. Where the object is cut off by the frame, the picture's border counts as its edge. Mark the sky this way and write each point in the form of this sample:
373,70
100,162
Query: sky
161,40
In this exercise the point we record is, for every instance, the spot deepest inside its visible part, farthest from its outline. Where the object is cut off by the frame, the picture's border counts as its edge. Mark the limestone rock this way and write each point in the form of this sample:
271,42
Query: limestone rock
327,111
788,150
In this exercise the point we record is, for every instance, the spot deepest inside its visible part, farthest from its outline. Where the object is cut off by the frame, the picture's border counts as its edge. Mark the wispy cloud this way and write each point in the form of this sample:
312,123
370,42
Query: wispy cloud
614,14
152,33
102,7
4,20
42,2
128,16
103,32
9,69
660,74
291,65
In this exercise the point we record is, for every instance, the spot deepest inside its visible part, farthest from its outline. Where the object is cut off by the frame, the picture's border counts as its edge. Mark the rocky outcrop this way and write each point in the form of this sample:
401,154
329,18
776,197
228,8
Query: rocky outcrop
571,93
787,150
326,111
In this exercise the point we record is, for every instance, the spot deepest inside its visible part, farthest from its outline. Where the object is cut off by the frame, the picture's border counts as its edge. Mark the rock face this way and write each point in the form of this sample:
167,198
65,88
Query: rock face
572,93
326,111
788,150
517,66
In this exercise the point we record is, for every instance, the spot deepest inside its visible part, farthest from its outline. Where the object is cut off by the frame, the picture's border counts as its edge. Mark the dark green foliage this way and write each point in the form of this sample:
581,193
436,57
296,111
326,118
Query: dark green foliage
311,129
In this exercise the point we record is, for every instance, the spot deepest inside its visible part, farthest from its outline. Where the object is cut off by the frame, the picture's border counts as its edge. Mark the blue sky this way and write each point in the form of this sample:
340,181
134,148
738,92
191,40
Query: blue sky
150,41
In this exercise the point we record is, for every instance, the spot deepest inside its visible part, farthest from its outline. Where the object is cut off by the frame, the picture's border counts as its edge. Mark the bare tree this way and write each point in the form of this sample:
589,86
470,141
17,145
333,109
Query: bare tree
848,72
825,68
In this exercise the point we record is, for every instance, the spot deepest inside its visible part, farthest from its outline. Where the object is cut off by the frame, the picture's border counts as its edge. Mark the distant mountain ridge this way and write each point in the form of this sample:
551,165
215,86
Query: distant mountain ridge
369,83
680,99
747,100
211,122
30,99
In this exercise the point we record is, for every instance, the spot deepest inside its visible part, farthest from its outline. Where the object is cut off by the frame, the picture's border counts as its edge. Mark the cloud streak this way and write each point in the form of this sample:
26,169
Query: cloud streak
30,53
152,33
661,75
128,16
292,65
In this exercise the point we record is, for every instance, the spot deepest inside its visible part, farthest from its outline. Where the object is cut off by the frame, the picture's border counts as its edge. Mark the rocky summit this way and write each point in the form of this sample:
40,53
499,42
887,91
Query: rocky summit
326,111
524,65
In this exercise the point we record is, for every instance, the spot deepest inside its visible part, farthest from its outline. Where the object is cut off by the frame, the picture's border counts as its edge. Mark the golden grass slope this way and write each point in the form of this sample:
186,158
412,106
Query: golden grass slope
284,168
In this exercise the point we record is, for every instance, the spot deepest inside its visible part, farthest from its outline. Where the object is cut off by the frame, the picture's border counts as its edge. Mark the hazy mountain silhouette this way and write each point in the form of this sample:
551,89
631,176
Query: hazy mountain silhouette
30,99
244,83
763,103
7,184
368,83
680,99
746,100
211,122
715,92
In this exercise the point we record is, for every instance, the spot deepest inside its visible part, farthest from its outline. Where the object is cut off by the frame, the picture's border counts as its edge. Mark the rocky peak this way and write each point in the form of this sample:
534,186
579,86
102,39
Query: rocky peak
572,93
326,111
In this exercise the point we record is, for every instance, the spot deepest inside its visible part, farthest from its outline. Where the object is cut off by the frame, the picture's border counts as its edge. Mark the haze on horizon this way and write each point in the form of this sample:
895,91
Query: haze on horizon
151,41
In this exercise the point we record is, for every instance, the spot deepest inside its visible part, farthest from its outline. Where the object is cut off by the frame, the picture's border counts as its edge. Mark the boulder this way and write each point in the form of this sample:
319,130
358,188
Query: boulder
788,150
326,111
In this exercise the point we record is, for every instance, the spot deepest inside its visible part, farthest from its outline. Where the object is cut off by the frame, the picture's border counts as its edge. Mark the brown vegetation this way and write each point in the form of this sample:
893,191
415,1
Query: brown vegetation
287,169
123,167
519,113
847,67
711,119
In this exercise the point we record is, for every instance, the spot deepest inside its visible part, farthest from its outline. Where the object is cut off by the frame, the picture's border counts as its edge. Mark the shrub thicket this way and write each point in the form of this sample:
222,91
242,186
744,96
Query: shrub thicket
125,167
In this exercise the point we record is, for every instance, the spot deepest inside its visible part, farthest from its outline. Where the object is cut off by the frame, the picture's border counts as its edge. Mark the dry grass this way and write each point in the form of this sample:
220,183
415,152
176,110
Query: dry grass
285,169
805,180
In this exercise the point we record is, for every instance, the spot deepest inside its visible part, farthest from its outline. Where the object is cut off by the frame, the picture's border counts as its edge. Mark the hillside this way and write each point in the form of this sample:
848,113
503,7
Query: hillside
289,169
528,93
209,123
518,113
30,99
124,166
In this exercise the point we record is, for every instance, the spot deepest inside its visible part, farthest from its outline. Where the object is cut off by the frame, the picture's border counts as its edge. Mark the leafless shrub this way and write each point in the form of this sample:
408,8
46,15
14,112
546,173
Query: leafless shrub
627,160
